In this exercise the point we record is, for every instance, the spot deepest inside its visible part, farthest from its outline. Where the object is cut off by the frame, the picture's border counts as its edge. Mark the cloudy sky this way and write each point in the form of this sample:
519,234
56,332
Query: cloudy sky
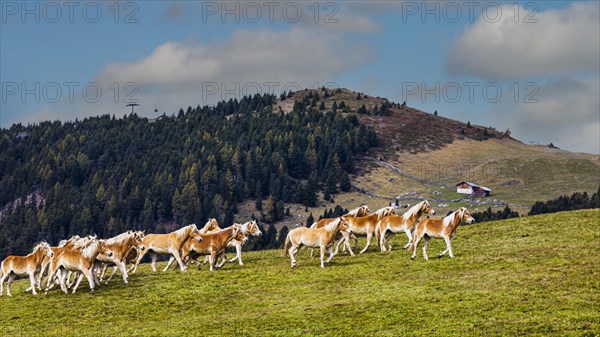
533,67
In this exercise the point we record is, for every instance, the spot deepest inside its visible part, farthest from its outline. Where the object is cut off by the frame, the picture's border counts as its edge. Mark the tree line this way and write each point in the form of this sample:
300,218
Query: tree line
105,175
576,201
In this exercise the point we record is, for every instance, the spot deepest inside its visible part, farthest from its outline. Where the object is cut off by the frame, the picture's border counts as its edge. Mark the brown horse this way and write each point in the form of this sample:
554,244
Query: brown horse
77,259
246,229
357,212
120,245
165,244
444,228
24,265
400,223
314,237
366,225
212,244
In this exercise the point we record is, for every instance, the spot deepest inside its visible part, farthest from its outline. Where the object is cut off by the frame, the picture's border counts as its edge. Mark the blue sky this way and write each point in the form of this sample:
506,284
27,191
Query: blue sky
532,67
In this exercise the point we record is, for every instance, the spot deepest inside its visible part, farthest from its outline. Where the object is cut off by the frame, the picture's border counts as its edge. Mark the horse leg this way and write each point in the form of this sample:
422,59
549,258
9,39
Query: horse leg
32,280
353,237
426,240
238,249
449,245
79,278
322,256
418,236
88,275
212,260
4,276
121,265
153,256
382,242
138,260
112,274
175,253
292,251
331,255
11,278
369,237
337,247
410,238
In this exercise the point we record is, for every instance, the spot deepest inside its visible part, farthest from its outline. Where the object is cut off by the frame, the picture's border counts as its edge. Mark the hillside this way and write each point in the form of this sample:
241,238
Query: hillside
290,154
522,276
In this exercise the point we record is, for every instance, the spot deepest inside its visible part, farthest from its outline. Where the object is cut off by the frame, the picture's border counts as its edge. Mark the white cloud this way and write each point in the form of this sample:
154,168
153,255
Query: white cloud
562,41
180,74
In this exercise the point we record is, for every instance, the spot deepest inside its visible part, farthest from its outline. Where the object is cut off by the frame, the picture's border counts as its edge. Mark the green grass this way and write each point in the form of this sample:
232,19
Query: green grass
531,276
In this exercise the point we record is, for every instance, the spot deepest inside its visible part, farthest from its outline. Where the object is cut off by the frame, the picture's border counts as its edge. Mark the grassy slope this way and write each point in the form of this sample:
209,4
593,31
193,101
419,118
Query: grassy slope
529,276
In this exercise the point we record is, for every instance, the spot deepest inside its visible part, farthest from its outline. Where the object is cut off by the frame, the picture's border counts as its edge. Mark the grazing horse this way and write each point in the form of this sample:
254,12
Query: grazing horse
76,258
357,212
212,244
246,229
366,225
314,237
401,223
21,265
120,245
444,228
165,244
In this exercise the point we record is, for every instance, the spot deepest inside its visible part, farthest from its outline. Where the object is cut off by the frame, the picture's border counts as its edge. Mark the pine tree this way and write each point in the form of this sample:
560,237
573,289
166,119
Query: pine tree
310,220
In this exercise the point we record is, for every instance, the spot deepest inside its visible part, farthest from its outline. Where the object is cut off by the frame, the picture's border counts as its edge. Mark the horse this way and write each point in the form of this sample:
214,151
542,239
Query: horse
314,237
22,265
401,223
444,228
366,225
357,212
246,229
77,258
165,244
211,244
119,245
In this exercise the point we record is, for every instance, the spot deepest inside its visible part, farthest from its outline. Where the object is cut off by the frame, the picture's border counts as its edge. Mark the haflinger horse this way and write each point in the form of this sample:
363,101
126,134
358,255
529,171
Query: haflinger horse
444,228
24,265
246,229
119,245
366,225
165,244
212,244
400,223
357,212
74,242
323,238
76,258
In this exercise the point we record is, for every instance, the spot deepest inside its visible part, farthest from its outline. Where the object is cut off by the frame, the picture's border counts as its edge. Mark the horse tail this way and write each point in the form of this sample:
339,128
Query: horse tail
286,246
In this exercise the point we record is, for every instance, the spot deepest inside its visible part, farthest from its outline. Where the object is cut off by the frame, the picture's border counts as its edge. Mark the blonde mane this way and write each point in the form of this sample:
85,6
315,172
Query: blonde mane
333,224
413,210
40,245
381,213
121,239
90,249
185,231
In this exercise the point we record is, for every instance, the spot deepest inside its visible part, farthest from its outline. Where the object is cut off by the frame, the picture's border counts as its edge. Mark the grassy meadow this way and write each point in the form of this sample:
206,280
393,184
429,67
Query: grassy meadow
534,276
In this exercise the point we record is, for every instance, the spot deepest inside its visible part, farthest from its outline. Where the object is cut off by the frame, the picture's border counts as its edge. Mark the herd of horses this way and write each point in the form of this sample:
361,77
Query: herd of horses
78,257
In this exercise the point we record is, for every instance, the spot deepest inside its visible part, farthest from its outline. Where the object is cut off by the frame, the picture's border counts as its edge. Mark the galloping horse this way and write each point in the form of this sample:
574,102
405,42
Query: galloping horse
165,244
212,244
444,228
314,237
366,225
400,223
21,265
357,212
248,228
120,245
77,259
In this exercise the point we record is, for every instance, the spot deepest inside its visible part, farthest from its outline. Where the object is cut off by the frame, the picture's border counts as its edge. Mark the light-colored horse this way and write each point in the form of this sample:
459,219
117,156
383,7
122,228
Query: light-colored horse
165,244
444,228
119,245
401,223
323,238
366,225
357,212
212,245
77,259
24,265
246,229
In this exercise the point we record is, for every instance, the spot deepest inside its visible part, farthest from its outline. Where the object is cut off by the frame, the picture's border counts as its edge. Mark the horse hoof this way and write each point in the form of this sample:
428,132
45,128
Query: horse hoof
412,257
